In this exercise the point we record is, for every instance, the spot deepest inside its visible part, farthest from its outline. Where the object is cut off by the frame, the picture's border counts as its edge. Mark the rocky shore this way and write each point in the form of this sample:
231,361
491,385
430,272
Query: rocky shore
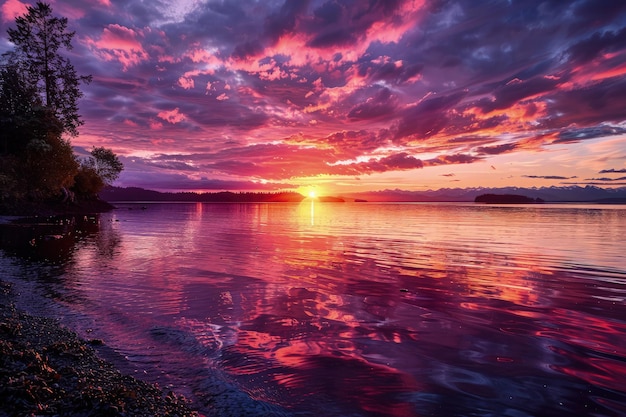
46,370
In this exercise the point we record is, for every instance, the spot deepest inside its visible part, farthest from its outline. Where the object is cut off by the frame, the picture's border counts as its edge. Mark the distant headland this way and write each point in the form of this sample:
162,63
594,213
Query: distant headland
119,194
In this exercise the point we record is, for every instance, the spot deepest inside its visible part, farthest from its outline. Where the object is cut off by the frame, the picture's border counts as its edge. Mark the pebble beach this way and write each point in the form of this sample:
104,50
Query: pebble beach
47,370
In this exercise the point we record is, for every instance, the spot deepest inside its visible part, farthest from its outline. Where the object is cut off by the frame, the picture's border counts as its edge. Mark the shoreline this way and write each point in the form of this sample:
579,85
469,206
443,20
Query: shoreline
43,209
46,369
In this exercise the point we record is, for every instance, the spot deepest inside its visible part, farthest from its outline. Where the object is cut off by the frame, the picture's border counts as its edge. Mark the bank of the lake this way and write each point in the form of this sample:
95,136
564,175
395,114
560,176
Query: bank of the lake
45,369
53,208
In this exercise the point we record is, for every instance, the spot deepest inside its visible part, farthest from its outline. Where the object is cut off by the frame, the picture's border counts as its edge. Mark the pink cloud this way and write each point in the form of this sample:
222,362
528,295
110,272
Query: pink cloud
186,82
172,116
119,43
155,125
12,9
119,37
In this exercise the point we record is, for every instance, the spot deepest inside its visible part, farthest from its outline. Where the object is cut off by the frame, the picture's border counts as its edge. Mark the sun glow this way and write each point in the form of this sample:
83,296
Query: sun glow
312,194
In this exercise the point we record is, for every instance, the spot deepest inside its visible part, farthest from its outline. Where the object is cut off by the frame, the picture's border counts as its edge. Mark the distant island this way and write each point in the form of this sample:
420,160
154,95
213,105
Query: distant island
329,199
506,199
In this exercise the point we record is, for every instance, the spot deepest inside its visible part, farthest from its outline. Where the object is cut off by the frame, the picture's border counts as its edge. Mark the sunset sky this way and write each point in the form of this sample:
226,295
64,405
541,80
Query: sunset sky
351,95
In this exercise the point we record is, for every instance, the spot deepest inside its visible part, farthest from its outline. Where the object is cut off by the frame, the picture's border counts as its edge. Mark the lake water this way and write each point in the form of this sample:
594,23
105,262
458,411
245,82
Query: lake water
355,309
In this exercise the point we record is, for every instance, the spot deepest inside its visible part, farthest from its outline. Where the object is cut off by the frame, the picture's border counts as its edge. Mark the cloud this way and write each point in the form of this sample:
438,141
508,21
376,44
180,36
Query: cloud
121,44
497,149
271,91
549,177
606,179
515,90
427,117
611,171
570,135
381,104
597,44
180,182
392,72
596,103
453,159
12,9
172,116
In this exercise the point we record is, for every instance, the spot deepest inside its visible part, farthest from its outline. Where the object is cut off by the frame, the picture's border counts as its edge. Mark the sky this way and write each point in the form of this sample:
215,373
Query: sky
342,96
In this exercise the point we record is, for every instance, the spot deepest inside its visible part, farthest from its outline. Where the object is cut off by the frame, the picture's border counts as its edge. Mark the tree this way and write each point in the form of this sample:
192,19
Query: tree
106,164
100,169
18,101
50,164
38,39
39,92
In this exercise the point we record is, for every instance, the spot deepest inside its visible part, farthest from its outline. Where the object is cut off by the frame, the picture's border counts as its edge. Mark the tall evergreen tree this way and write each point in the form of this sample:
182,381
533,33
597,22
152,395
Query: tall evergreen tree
39,38
39,92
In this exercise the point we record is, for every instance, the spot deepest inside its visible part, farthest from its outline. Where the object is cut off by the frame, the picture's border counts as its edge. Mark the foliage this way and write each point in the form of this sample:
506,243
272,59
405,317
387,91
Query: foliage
39,91
38,162
38,38
100,169
87,181
18,101
55,158
106,164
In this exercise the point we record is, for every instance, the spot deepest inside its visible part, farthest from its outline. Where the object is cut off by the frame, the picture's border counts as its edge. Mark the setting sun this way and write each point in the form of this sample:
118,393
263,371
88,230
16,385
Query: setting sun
312,194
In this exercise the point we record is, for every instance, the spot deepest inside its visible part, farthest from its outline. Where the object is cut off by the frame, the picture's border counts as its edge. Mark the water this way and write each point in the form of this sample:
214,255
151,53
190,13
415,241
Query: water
365,309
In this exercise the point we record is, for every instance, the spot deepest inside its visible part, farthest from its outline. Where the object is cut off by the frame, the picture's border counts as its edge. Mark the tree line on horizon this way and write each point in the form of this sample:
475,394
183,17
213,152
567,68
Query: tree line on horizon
39,93
140,194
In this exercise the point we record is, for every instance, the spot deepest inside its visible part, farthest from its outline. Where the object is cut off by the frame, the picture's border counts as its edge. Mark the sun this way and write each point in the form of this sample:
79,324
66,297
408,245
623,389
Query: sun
312,194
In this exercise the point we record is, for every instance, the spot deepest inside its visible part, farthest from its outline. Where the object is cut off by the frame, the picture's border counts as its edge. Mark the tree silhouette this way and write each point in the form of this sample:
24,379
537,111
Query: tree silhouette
18,104
38,38
39,92
100,169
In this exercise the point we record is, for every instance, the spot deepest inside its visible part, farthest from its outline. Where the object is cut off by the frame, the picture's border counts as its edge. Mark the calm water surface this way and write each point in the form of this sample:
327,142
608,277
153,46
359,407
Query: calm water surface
332,309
